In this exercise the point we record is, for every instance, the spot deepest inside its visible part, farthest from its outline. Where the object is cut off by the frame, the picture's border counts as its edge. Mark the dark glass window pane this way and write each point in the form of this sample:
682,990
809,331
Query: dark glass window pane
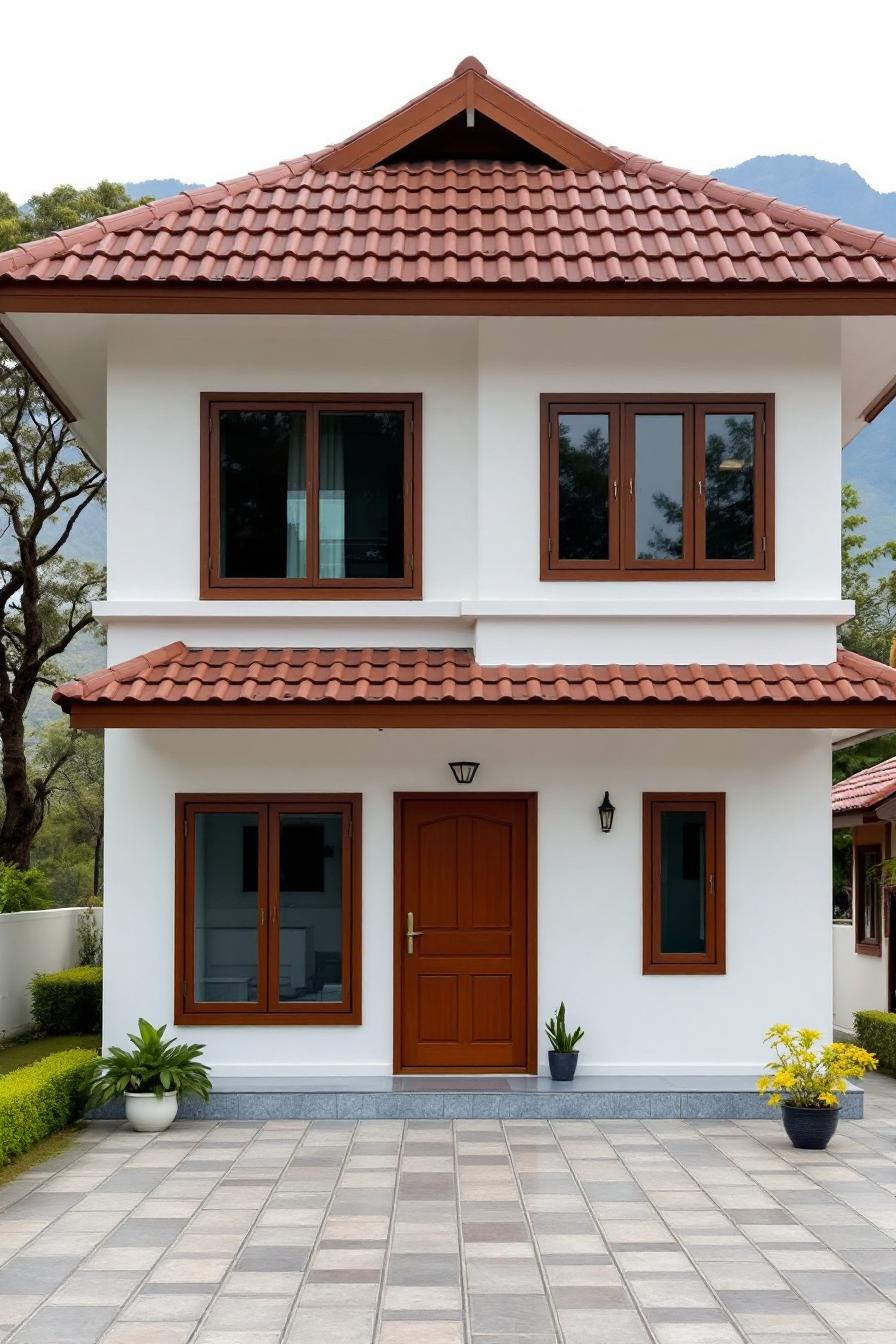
729,486
225,909
659,487
263,506
584,486
361,486
682,877
311,908
869,861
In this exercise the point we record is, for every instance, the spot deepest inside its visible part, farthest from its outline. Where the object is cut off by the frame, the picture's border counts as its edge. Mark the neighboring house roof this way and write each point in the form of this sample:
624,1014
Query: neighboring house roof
864,791
371,210
197,678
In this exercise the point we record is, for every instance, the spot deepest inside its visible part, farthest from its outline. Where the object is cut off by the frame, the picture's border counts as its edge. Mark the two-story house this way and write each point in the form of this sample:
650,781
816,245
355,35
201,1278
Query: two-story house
465,476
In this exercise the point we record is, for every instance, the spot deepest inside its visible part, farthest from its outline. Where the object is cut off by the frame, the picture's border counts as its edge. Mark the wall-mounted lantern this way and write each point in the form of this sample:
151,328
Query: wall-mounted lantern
606,812
464,772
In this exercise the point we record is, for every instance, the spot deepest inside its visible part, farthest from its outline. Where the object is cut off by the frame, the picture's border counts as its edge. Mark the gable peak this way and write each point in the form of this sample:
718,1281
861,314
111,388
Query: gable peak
468,117
470,63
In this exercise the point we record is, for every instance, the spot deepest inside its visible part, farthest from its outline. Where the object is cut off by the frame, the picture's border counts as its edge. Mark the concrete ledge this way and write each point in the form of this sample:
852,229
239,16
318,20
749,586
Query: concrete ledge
456,1098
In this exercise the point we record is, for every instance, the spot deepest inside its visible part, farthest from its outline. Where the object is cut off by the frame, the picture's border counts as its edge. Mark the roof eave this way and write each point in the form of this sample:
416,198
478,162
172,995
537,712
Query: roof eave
560,298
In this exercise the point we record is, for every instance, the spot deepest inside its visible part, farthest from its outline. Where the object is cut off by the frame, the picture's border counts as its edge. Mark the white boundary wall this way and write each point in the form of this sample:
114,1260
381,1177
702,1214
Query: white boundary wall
33,941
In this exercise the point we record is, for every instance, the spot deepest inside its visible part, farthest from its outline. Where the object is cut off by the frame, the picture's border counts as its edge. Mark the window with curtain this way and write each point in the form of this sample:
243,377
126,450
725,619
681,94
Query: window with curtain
313,494
641,486
684,882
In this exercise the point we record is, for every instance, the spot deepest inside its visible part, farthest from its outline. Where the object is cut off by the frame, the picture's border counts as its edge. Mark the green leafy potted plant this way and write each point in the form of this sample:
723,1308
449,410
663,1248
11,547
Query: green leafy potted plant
806,1082
563,1055
152,1077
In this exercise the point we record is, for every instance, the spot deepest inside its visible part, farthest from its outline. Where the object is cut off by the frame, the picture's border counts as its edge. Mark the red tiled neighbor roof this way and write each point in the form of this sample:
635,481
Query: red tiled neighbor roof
622,218
177,675
863,791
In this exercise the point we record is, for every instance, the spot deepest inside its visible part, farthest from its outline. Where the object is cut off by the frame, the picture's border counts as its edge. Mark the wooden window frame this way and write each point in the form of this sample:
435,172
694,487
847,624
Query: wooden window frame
622,564
712,961
871,947
214,586
187,1012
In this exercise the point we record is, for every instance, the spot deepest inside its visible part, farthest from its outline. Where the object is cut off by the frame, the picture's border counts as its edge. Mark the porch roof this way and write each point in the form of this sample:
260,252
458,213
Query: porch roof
865,790
180,686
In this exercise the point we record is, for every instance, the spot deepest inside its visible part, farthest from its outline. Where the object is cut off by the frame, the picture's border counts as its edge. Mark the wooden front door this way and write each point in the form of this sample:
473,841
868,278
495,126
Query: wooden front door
465,933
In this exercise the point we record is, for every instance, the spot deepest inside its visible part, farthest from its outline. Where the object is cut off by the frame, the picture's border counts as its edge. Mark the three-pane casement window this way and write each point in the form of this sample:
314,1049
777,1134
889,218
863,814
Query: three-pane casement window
867,904
642,487
268,909
311,496
684,884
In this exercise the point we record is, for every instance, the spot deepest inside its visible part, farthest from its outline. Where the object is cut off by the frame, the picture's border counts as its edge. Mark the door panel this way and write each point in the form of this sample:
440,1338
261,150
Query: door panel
464,987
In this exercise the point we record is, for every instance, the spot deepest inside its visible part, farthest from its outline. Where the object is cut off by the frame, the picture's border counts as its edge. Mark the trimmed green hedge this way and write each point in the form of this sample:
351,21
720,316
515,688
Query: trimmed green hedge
69,1002
876,1031
41,1098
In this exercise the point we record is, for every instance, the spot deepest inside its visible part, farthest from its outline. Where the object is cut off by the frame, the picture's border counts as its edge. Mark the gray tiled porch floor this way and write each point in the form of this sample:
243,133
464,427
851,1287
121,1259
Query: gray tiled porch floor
477,1231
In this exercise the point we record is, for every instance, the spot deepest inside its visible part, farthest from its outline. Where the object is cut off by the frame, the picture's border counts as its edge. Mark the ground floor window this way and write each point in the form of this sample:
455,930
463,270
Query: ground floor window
268,909
684,884
867,902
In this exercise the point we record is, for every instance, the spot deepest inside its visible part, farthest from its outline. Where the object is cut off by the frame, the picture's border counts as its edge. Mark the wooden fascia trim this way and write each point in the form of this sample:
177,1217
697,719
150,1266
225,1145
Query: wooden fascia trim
530,123
386,137
468,91
629,300
880,403
510,715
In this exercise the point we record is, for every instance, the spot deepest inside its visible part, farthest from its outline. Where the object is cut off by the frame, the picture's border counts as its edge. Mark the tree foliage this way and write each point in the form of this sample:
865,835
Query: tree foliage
871,630
69,847
870,582
46,483
62,208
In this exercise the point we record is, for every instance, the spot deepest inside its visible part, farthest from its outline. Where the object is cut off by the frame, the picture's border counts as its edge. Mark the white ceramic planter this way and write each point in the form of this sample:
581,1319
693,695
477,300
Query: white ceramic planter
148,1113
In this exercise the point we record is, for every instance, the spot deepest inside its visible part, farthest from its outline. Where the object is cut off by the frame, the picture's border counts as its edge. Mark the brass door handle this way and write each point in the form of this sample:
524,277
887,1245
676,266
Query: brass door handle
411,935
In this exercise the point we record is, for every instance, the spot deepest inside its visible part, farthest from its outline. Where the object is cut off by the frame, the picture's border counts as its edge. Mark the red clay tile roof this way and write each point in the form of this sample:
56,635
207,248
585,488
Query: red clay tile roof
177,674
629,219
863,791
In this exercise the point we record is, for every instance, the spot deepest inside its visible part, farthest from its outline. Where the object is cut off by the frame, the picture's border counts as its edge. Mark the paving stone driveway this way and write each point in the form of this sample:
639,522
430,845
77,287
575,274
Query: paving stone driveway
463,1232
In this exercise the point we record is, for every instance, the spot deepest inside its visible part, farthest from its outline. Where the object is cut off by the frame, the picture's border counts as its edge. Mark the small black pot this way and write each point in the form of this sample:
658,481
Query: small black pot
562,1064
810,1126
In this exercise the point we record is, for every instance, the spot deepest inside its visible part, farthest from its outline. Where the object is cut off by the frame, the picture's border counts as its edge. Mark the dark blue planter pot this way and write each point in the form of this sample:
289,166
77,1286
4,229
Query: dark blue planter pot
562,1065
810,1126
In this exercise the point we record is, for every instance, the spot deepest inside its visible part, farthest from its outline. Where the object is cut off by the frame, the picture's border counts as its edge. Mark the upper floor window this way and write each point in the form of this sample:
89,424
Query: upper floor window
306,495
648,487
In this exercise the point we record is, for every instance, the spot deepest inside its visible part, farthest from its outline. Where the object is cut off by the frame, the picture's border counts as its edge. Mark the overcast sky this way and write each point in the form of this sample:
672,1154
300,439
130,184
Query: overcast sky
200,90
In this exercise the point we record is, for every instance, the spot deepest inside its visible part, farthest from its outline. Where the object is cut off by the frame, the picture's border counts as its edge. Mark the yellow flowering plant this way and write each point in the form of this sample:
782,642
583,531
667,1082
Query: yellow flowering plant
802,1075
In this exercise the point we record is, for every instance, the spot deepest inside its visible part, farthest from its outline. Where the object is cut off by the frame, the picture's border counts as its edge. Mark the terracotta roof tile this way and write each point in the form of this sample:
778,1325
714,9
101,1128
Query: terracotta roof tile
863,791
631,221
222,676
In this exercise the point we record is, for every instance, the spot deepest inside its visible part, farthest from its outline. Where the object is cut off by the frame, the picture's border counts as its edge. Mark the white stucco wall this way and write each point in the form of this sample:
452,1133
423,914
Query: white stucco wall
859,981
33,941
589,935
481,380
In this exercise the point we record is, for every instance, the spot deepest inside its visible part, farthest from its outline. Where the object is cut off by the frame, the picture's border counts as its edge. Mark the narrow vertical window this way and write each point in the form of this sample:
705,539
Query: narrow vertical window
684,879
867,901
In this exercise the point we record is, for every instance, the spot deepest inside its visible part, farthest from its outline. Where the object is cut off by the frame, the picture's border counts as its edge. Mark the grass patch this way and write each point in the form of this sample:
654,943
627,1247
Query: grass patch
28,1049
41,1152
